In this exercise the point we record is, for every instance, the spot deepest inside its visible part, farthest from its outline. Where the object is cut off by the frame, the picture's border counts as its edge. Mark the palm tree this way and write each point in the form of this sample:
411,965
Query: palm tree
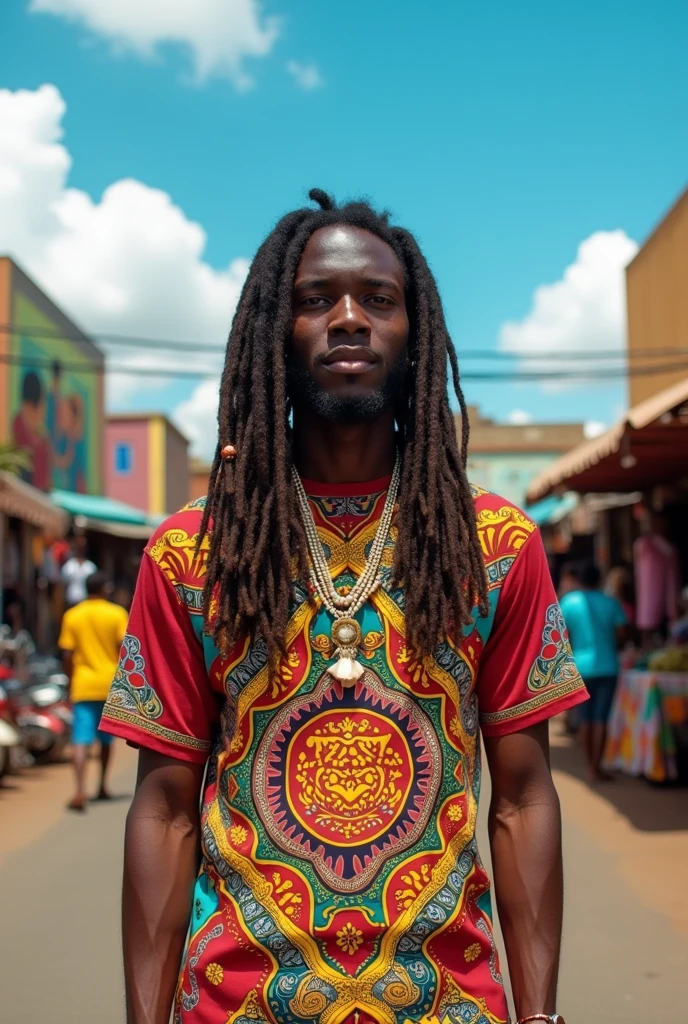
13,459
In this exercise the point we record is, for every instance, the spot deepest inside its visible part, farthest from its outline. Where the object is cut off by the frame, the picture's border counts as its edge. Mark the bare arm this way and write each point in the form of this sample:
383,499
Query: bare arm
160,863
525,837
68,666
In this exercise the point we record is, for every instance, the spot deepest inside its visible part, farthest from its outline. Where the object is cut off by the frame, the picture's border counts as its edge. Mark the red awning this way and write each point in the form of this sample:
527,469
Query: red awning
28,503
649,446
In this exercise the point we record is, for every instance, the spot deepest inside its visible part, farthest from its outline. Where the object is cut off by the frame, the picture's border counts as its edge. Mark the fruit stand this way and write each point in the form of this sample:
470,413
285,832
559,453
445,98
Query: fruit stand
650,712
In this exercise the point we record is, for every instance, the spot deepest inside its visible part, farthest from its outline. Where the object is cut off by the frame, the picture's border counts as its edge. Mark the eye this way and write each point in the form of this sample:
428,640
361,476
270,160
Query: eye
381,300
313,301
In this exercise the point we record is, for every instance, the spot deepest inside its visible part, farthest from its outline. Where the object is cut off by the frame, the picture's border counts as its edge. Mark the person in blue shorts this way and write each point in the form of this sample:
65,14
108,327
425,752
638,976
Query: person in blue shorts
597,627
90,641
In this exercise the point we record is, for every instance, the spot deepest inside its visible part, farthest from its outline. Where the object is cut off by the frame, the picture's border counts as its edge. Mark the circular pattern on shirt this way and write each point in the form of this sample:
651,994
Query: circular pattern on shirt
347,778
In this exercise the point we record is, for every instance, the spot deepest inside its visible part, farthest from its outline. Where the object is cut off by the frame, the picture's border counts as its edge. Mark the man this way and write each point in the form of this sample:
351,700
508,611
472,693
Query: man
90,639
312,649
76,571
597,626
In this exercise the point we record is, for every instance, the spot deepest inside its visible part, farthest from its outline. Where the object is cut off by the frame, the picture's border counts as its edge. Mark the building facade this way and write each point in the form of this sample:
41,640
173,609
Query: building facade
51,388
505,457
657,306
199,471
146,462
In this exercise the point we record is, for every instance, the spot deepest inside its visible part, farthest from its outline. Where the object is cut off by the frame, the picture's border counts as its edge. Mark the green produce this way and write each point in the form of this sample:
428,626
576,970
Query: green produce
673,659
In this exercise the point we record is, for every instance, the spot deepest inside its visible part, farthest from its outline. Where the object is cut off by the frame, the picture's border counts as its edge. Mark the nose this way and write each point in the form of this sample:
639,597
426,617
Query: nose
348,319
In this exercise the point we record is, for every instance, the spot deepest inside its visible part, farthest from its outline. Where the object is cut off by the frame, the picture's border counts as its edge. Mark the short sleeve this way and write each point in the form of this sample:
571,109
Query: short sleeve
161,696
66,638
527,672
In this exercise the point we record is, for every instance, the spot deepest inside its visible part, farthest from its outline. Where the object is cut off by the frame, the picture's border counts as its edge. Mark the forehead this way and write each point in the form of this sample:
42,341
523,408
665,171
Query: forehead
343,249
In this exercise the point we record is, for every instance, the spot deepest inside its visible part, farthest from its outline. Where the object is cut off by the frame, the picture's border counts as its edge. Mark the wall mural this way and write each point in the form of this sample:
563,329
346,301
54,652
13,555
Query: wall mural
54,410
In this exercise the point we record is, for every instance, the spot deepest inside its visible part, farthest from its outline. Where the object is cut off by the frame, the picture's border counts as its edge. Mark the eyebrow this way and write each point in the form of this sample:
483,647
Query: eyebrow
371,282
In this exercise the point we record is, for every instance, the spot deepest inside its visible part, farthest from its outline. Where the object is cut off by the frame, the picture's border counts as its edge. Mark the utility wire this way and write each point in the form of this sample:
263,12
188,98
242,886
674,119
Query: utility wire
573,375
192,347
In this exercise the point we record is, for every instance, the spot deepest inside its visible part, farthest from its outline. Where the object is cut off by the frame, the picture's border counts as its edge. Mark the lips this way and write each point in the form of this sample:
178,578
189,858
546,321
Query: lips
352,359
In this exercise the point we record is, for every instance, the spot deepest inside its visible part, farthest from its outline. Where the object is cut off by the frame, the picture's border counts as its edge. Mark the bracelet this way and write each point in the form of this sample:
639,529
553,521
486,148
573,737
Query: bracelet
549,1018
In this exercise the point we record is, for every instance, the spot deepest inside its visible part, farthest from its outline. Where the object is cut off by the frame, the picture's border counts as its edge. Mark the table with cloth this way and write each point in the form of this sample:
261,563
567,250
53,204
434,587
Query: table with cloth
648,707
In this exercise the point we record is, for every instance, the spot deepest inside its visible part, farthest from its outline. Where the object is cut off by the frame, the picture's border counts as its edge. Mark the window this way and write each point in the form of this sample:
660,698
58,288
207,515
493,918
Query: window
124,458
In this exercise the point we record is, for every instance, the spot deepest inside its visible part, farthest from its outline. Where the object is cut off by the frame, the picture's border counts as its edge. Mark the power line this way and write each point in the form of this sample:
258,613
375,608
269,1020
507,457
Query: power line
192,347
574,375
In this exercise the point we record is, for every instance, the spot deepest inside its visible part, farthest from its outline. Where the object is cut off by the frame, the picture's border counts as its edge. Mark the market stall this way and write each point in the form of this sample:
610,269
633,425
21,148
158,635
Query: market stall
27,518
643,461
649,716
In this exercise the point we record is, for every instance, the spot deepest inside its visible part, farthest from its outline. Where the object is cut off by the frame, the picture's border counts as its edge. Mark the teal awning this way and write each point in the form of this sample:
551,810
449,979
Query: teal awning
553,509
106,514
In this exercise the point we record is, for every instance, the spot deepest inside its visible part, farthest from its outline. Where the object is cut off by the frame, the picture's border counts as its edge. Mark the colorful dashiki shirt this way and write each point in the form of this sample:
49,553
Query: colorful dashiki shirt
340,881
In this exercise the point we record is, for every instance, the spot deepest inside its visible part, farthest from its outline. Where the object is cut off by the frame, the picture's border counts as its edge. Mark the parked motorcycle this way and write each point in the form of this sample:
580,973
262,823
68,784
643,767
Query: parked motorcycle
9,736
41,710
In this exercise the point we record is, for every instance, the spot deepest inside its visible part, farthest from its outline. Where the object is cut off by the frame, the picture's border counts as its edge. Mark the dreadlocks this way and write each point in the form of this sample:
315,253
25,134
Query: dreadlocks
256,539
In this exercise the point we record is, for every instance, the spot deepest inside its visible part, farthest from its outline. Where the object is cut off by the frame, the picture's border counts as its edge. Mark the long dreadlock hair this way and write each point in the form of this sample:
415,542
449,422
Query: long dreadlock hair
252,518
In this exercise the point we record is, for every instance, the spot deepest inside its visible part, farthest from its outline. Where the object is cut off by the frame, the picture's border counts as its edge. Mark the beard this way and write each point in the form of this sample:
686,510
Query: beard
304,392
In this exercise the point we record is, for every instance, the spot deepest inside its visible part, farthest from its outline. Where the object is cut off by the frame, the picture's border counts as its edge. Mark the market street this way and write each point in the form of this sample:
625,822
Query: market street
625,937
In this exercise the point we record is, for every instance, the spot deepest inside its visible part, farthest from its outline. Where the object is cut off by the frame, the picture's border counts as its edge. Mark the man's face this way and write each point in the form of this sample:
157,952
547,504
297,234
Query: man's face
347,353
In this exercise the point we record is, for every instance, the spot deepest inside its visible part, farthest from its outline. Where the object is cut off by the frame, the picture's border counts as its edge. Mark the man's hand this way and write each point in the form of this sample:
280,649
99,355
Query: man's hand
525,836
160,864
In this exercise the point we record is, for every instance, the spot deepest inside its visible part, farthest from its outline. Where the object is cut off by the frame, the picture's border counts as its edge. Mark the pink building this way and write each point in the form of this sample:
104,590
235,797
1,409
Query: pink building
146,462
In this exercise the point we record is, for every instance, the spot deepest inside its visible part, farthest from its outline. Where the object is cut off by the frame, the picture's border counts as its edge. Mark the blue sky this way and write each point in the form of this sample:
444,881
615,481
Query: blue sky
504,135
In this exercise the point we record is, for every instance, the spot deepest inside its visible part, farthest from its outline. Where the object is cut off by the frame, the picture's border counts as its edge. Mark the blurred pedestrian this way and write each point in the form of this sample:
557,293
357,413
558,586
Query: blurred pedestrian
90,640
619,584
76,571
678,630
597,626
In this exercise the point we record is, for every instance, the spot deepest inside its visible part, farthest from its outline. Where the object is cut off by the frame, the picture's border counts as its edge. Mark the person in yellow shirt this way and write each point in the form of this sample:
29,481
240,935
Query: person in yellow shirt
90,639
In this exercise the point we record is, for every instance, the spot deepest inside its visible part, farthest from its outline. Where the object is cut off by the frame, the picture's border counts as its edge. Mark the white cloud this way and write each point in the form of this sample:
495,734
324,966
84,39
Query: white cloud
583,312
593,428
218,34
197,418
519,417
130,263
306,76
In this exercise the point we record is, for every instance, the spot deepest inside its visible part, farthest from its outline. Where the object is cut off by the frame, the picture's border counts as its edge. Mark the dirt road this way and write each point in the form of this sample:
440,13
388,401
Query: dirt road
626,934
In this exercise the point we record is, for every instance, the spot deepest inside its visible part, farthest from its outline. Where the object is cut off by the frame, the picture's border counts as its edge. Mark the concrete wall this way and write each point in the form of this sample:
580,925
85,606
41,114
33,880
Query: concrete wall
131,488
519,438
198,479
657,302
176,469
507,473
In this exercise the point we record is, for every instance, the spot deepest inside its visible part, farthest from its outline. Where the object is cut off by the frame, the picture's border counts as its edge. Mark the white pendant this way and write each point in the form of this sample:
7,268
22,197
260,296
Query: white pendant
346,670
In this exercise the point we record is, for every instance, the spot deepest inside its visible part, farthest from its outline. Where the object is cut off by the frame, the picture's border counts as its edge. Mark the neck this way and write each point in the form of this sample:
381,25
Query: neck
337,453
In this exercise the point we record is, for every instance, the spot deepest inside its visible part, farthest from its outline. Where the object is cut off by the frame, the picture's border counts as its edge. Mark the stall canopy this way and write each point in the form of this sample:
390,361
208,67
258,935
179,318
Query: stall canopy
649,446
95,512
28,503
553,509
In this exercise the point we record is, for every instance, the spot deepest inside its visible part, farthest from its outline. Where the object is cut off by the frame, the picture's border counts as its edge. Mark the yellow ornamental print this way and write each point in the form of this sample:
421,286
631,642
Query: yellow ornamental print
503,531
215,974
454,812
250,1009
471,952
350,776
415,881
238,835
287,900
175,553
349,938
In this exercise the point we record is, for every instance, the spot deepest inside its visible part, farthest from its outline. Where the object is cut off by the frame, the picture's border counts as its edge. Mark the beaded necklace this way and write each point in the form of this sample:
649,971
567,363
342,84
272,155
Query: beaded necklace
345,631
